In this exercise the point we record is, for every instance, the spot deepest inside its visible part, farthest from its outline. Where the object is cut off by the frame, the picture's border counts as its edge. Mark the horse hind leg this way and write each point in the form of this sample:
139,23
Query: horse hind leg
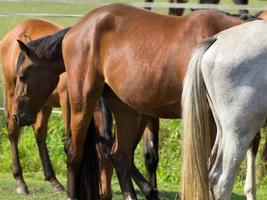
151,157
231,151
250,184
129,129
242,2
40,130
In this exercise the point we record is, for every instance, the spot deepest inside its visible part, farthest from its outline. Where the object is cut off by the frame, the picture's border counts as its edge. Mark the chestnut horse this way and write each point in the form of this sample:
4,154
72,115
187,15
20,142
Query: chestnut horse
32,29
179,11
35,28
136,59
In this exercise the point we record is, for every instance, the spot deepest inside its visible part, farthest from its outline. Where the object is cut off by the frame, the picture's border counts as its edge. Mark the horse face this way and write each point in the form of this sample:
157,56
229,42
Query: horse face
35,81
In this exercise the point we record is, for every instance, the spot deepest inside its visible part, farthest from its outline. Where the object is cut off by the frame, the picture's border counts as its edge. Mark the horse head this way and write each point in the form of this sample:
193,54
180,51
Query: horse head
37,77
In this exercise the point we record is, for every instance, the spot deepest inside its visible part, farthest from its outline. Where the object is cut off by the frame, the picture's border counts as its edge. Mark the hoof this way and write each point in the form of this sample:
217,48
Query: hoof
58,188
153,195
105,197
22,190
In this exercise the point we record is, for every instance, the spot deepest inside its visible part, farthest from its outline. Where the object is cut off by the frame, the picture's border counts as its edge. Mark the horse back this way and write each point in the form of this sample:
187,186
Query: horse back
128,47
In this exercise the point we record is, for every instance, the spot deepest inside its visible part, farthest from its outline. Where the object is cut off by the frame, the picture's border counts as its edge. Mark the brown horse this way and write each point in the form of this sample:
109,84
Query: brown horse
32,29
9,55
135,58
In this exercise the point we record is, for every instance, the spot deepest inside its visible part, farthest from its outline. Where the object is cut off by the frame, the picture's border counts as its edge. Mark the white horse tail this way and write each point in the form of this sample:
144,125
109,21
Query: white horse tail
196,136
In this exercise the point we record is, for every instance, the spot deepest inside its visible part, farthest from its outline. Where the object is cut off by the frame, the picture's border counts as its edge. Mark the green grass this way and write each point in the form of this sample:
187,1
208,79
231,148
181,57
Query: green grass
40,189
170,150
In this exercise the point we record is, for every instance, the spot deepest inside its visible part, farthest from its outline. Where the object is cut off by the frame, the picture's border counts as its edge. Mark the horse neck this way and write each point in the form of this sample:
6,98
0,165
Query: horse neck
49,48
58,65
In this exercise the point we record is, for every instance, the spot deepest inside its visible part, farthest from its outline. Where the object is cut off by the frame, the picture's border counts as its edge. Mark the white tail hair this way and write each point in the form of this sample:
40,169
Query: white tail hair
196,136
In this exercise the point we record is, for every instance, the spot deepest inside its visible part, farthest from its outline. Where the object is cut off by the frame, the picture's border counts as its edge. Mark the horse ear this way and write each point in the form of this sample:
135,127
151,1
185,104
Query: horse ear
27,50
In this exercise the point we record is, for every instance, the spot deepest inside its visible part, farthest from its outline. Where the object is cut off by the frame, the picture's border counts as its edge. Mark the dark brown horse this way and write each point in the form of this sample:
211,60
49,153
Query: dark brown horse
179,11
135,59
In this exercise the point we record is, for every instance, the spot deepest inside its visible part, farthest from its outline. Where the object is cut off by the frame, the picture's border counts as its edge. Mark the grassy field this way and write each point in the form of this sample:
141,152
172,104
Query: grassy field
169,166
41,190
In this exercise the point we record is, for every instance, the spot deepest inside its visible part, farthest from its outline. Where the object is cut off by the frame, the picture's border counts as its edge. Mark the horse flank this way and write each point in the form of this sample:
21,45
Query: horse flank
196,136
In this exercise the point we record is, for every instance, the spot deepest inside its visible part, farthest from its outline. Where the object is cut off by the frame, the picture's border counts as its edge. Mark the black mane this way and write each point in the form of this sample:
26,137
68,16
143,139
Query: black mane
49,47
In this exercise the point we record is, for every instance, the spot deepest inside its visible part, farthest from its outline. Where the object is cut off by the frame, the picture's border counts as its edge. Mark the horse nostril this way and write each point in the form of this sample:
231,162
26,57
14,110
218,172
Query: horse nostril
15,118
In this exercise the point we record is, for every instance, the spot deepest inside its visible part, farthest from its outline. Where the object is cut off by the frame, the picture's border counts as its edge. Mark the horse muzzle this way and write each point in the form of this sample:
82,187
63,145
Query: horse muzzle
23,119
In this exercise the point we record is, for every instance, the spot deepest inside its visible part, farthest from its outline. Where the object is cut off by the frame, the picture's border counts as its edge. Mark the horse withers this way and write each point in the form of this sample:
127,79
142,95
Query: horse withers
130,56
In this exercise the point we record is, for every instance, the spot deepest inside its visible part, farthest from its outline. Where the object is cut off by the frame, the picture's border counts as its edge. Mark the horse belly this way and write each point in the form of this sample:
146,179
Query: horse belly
149,93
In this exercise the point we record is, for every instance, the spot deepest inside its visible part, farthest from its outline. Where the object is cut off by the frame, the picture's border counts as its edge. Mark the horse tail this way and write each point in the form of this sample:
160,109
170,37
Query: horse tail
108,123
89,172
88,181
196,137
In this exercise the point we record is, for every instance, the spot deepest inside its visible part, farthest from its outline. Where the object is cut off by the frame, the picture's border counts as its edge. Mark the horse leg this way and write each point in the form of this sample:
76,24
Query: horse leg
176,11
250,185
123,148
83,168
130,122
231,152
148,8
146,187
13,135
242,2
151,136
40,130
103,120
106,171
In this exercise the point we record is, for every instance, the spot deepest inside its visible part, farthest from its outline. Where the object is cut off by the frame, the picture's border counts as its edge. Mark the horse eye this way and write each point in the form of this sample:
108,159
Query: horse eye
22,77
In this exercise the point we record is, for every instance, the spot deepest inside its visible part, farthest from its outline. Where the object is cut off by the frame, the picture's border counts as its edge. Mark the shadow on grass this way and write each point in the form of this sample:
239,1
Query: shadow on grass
238,197
164,195
169,195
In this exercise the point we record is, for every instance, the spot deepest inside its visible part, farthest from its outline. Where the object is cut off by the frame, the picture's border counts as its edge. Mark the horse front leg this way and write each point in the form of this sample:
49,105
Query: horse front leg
13,135
150,1
40,130
250,185
242,2
176,11
151,143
